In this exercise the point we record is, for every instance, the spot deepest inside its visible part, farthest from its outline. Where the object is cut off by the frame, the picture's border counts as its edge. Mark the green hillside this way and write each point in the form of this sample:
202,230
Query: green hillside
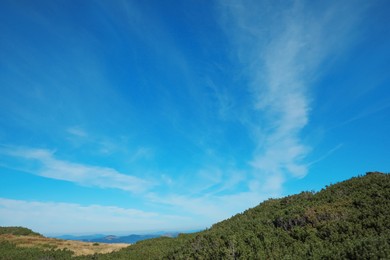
18,231
347,220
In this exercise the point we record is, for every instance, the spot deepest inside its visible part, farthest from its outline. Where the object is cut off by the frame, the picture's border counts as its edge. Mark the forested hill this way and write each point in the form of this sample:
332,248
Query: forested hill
348,220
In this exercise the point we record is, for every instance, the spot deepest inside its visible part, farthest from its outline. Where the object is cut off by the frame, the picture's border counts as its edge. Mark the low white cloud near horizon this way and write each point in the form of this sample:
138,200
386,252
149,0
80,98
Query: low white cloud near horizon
70,218
82,174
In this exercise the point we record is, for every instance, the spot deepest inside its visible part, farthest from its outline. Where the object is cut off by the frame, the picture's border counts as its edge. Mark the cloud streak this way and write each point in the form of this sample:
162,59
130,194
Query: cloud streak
77,131
209,207
69,218
85,175
282,57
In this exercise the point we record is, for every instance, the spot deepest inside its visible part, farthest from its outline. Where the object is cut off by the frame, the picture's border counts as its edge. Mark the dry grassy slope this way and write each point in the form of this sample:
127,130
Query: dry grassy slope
79,248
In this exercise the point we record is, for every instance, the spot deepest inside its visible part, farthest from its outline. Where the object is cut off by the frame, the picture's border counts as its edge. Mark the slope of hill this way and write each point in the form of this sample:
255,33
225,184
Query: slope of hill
18,231
348,220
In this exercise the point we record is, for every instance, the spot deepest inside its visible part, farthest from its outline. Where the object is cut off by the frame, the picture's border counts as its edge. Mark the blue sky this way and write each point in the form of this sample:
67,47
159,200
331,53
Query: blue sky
141,116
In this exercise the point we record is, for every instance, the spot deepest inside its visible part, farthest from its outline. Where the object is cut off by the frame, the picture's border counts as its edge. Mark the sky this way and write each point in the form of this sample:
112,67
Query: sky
143,116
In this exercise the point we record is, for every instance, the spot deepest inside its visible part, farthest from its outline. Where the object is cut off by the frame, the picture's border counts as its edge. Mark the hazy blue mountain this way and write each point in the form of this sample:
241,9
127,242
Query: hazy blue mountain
131,239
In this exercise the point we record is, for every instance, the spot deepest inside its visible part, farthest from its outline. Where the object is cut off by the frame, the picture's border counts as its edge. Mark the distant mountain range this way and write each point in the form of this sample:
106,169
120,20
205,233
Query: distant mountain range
130,239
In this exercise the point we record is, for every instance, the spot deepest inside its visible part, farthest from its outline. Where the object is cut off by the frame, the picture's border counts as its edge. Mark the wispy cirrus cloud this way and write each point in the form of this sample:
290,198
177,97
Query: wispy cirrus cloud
281,47
69,218
86,175
142,153
77,131
210,207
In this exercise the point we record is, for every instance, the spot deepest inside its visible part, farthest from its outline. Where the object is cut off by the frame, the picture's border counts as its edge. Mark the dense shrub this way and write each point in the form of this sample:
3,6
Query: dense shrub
9,251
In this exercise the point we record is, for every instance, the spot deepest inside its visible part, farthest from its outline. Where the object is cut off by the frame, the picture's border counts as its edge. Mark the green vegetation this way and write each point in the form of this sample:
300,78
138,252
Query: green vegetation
22,243
9,251
348,220
18,231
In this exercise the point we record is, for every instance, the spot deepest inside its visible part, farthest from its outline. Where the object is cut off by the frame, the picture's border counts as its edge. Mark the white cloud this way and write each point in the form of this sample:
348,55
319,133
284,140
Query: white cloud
223,99
86,175
141,153
71,218
77,131
281,47
327,154
371,110
210,208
